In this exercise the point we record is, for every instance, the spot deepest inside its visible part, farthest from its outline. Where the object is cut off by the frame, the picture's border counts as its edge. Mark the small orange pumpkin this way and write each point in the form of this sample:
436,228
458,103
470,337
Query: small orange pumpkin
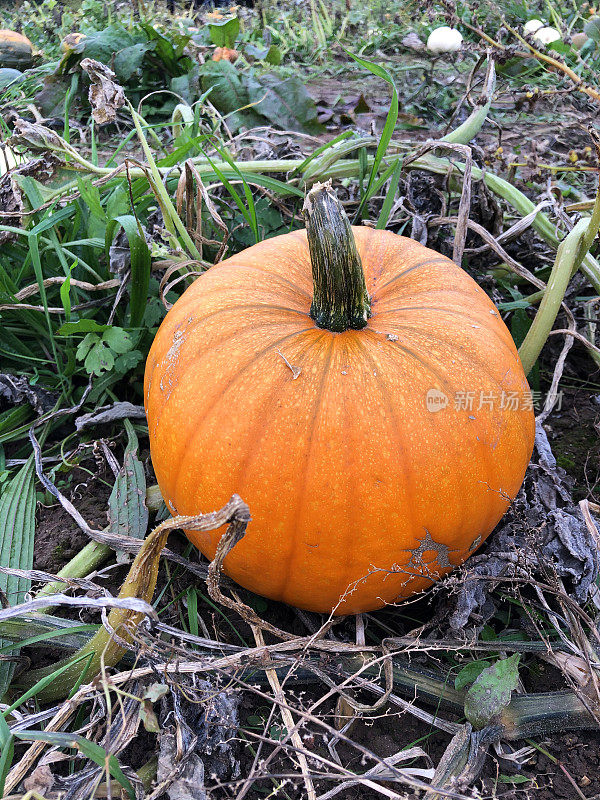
225,54
377,424
15,49
71,41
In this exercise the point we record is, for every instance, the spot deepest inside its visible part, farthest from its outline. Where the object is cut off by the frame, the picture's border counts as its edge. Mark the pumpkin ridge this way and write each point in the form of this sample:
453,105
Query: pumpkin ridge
406,469
258,431
444,383
241,371
181,374
457,313
443,379
200,318
294,538
272,274
486,456
184,303
482,365
431,262
460,293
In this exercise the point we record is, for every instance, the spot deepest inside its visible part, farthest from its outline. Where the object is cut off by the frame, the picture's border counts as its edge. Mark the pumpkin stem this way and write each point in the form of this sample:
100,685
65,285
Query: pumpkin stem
340,299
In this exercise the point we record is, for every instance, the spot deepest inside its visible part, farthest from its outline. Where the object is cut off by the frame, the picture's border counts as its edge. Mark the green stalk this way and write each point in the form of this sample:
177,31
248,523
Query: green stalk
536,714
340,299
568,258
87,560
520,202
474,122
171,217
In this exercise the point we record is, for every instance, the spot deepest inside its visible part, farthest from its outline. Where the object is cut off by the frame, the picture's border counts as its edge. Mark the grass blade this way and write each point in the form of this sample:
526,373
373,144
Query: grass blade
17,533
388,128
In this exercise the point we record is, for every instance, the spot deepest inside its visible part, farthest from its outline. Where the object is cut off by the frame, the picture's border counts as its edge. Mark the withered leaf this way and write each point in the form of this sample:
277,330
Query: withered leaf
105,95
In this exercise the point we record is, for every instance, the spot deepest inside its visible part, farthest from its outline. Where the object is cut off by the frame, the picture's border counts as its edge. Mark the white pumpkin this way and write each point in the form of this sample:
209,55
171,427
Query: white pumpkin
533,25
444,40
546,35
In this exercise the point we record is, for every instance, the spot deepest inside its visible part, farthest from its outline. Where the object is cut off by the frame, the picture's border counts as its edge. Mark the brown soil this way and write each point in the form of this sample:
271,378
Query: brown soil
57,537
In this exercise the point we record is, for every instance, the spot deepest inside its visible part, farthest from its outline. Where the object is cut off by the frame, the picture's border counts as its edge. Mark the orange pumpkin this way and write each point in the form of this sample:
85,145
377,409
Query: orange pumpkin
225,54
15,49
377,435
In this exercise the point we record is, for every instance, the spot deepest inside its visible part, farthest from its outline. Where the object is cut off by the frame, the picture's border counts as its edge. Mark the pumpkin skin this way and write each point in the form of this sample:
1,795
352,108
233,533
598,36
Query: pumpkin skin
357,490
15,49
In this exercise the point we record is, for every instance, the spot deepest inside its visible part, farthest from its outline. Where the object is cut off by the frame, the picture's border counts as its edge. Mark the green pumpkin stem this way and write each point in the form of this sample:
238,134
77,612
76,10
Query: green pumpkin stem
340,298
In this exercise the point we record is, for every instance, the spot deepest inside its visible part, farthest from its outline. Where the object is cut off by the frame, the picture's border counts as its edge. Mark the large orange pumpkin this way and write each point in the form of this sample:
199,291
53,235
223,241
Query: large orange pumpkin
376,446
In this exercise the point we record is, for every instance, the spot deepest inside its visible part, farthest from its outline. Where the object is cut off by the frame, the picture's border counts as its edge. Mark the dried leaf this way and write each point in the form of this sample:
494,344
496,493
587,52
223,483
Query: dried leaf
40,781
17,389
543,528
105,95
105,414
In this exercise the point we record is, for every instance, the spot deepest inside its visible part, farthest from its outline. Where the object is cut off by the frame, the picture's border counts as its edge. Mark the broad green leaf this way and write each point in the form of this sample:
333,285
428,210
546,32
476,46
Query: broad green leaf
127,511
491,691
81,326
86,344
285,103
228,93
99,359
168,52
117,339
469,673
129,60
17,534
128,361
106,44
274,55
592,29
224,34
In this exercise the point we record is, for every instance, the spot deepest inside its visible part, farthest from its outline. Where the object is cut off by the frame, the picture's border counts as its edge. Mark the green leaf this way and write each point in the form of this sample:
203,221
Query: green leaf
81,326
128,361
90,749
129,60
285,103
491,691
17,534
592,29
169,52
106,44
274,55
65,294
386,208
85,345
513,779
140,267
127,511
228,94
7,748
224,34
117,339
99,359
388,128
469,673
